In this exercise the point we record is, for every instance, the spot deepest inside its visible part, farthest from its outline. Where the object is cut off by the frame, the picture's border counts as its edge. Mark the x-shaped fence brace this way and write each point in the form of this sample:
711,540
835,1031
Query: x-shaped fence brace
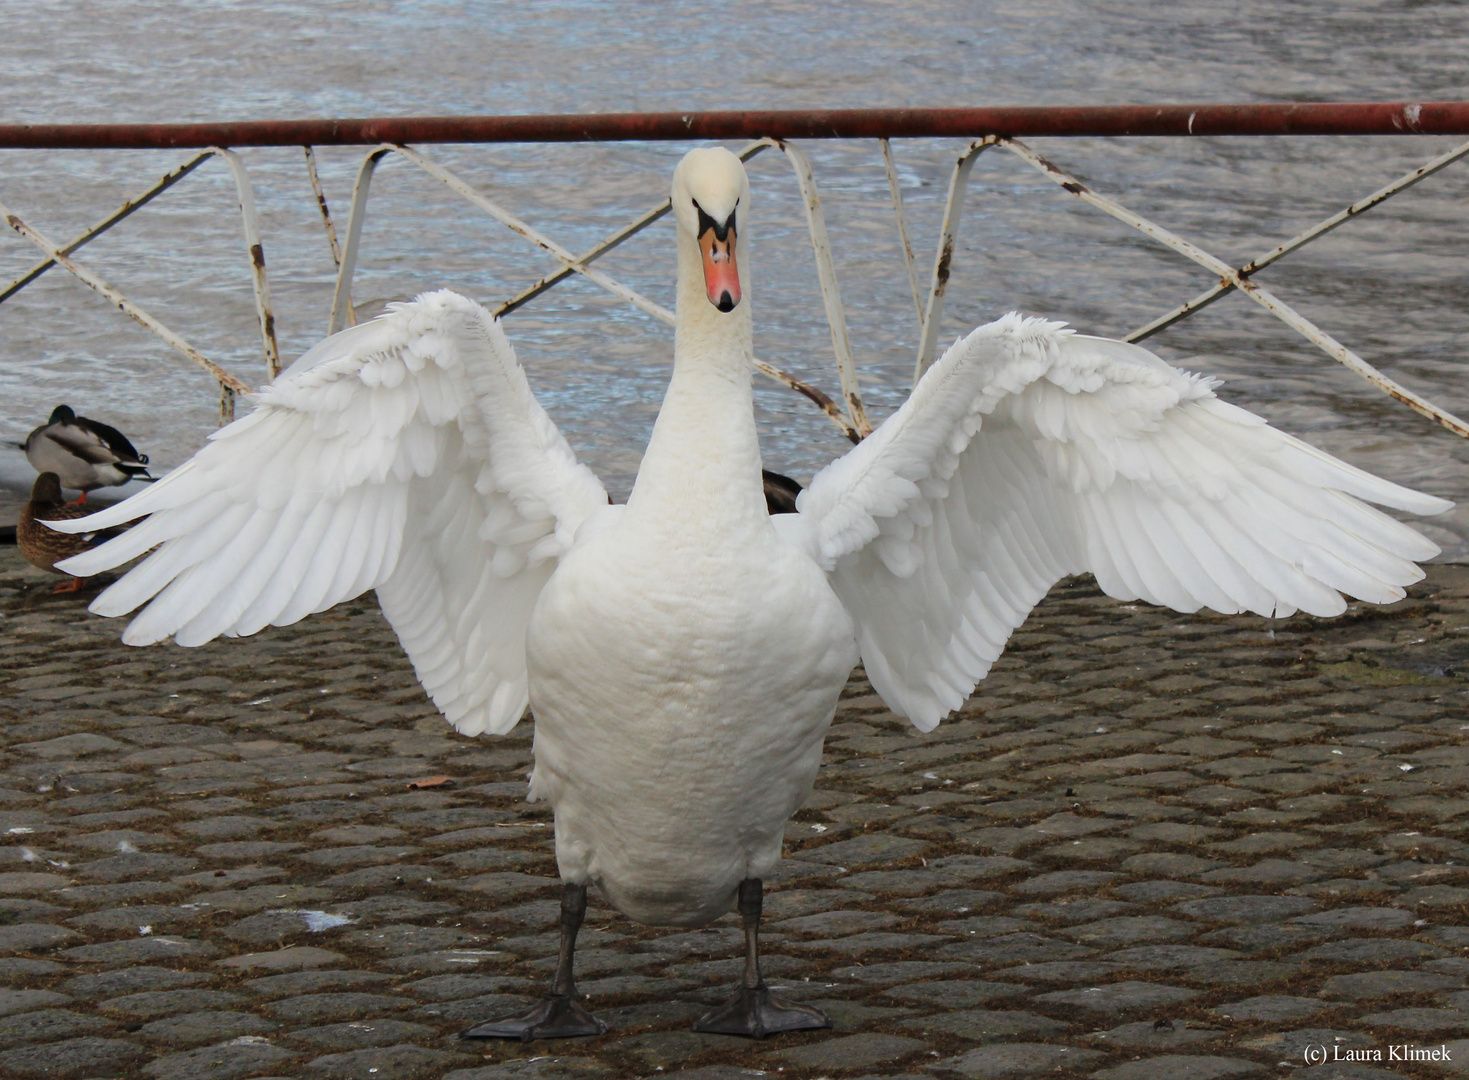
1230,278
60,255
853,419
854,422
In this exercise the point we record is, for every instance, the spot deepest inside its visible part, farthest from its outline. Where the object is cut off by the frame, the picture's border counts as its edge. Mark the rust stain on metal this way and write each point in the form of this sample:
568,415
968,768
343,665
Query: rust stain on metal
946,260
943,260
810,392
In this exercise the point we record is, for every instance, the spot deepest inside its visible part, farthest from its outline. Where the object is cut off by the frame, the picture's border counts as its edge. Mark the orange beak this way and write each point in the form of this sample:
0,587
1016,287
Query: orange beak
721,275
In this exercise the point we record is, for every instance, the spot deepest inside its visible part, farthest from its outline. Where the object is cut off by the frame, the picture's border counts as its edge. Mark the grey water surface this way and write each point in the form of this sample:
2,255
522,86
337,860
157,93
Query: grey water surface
1392,285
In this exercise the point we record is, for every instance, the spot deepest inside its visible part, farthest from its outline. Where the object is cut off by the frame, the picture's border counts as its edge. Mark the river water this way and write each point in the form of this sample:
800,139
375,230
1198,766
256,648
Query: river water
1392,285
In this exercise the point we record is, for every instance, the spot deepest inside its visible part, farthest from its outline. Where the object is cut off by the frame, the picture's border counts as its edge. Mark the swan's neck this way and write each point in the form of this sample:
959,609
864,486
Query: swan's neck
702,464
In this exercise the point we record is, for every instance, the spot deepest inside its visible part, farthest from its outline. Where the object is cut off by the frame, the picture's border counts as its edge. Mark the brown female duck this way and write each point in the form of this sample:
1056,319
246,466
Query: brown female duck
44,547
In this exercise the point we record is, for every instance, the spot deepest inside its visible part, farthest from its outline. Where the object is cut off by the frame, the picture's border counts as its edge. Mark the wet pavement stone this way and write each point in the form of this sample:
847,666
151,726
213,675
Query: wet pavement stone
852,1052
1151,845
1014,1061
231,1060
73,1058
1183,1067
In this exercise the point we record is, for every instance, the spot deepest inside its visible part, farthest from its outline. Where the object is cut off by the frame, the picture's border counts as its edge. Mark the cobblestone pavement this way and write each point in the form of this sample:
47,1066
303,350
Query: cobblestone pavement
1152,846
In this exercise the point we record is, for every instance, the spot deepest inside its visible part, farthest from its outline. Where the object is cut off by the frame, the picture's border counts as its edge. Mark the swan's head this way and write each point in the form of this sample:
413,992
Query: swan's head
710,196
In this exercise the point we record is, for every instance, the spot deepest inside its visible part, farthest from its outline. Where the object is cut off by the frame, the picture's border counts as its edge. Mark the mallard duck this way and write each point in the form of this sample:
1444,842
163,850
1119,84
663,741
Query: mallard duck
43,546
84,454
683,654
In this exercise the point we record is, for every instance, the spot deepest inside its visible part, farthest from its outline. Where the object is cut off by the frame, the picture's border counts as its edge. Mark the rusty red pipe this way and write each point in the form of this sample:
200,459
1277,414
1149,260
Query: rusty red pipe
1314,118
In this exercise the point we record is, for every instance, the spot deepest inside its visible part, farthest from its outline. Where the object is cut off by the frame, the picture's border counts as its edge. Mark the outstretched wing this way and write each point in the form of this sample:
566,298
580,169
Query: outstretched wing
1030,452
406,455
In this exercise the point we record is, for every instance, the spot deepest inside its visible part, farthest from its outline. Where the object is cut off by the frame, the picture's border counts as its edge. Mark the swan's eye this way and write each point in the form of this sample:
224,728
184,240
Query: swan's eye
721,231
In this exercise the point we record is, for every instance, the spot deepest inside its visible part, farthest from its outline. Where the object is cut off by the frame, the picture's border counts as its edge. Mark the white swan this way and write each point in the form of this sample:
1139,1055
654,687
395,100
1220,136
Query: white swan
684,654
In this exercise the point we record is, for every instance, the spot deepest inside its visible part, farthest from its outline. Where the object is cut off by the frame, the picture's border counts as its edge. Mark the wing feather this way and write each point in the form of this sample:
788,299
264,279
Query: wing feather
1028,453
216,584
406,455
158,570
313,593
289,573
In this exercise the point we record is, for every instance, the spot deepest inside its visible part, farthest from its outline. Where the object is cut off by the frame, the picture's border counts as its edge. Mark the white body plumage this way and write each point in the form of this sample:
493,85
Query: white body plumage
676,793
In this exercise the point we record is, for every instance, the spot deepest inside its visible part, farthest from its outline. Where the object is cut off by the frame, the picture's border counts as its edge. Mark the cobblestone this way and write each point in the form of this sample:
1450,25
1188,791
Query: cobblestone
1152,845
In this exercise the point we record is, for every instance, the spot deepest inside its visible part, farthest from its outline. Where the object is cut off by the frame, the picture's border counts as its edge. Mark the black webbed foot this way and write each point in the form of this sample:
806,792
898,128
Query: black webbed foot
755,1012
556,1016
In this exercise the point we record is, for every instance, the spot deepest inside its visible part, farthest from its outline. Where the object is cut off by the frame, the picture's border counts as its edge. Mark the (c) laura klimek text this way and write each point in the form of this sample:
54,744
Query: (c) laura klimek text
1317,1053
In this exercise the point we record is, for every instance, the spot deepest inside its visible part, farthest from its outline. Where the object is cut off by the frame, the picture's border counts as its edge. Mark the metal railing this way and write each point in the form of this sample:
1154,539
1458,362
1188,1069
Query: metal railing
990,127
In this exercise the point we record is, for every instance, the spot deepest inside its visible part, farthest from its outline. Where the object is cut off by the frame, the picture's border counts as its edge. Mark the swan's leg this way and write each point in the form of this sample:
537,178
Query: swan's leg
754,1011
558,1014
